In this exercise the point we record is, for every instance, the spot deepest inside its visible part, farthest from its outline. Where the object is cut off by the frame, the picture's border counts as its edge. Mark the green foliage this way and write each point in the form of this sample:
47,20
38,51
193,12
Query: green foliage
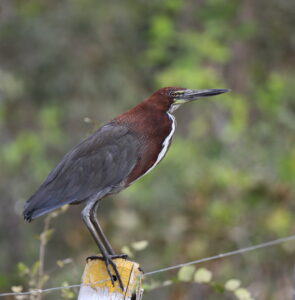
205,277
22,269
134,248
35,277
140,245
232,284
67,293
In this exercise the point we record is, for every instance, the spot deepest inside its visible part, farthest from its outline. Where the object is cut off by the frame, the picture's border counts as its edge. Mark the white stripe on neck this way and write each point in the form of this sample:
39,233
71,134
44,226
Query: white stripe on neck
165,144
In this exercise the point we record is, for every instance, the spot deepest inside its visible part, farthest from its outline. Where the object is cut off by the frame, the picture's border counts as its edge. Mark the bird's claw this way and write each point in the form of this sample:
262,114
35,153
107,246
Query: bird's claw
108,260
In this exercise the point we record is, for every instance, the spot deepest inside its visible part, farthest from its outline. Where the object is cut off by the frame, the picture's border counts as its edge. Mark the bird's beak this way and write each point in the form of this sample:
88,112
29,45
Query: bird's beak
188,95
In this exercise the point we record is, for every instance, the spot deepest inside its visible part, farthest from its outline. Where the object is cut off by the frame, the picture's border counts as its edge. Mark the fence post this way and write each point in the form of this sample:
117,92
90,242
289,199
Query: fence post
96,283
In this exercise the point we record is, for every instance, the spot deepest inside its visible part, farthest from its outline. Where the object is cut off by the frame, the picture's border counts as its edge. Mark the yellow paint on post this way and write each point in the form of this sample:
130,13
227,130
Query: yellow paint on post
96,281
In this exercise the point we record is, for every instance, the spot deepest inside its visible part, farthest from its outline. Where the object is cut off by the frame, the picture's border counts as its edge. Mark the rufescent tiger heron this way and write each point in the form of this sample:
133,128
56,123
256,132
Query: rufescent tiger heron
109,160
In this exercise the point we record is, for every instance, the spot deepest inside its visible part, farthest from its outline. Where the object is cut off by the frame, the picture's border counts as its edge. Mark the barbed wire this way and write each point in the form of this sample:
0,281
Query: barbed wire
198,261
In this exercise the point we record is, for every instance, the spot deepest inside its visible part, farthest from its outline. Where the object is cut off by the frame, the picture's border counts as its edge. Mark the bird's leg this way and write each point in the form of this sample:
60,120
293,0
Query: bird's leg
94,221
106,256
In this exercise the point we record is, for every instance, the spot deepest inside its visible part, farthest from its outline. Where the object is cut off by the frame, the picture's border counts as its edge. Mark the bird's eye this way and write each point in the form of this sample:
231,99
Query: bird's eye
176,94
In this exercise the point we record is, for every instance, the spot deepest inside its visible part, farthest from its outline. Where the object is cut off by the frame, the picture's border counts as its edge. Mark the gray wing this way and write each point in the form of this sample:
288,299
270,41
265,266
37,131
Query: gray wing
99,164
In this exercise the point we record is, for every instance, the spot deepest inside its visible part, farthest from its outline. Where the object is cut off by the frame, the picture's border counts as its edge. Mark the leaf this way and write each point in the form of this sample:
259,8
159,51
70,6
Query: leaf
232,284
127,250
140,245
203,276
217,287
67,293
186,273
35,268
22,269
43,279
17,288
32,282
46,235
151,285
60,263
167,283
87,120
243,294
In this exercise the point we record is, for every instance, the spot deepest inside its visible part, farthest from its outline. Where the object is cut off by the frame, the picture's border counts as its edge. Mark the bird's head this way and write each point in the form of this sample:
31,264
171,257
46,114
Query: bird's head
170,98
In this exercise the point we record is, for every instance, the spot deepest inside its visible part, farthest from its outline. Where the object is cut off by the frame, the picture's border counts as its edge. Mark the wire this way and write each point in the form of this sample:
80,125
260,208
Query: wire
39,291
198,261
239,251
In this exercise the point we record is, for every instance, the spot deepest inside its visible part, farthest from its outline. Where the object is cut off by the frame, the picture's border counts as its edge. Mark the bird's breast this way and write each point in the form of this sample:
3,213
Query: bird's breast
155,143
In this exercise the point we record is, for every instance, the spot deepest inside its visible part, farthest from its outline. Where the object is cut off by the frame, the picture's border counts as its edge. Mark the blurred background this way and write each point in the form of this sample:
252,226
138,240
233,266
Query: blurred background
227,182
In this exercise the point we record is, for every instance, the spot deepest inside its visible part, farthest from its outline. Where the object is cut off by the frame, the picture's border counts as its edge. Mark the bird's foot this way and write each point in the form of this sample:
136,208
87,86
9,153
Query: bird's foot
108,260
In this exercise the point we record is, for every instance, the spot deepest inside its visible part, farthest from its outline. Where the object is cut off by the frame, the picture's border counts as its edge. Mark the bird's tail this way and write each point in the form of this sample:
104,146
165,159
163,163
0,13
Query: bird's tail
41,203
33,213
